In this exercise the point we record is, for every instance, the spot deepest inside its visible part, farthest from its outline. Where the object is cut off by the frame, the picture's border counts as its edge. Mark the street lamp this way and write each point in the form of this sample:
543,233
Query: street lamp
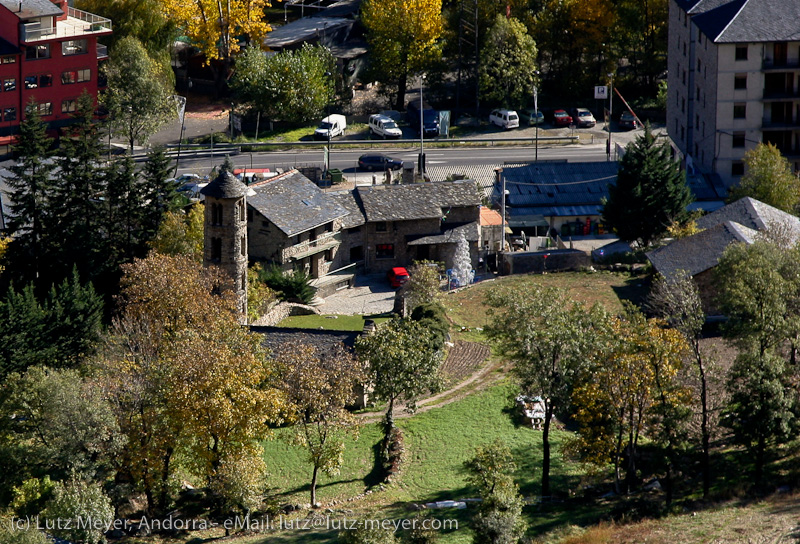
328,117
536,110
421,130
610,112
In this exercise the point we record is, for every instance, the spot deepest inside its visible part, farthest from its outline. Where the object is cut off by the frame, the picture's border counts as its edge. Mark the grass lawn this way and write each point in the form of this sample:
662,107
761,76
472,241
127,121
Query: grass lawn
467,309
330,322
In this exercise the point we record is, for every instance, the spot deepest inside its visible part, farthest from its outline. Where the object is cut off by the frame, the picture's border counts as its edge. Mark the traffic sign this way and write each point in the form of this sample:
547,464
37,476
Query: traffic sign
601,92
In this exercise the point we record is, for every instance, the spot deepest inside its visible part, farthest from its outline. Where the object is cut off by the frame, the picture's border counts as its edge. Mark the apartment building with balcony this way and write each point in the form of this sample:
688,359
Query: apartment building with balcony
733,81
49,53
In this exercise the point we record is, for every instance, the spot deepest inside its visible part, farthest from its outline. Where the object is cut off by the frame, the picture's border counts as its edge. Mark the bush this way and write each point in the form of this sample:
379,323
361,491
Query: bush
433,316
367,533
293,287
31,496
77,500
241,479
12,534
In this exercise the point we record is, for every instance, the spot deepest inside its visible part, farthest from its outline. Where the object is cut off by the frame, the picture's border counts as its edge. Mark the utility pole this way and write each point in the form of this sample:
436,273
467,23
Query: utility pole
610,112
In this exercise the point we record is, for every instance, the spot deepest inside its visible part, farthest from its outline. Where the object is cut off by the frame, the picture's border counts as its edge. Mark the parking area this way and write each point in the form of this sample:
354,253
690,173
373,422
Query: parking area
370,295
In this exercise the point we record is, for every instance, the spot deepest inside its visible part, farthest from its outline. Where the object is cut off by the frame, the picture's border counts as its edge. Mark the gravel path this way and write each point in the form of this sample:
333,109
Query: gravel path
370,295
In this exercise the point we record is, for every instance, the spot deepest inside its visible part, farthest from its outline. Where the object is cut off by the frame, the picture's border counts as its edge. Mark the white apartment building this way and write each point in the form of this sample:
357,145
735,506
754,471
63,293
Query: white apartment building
734,81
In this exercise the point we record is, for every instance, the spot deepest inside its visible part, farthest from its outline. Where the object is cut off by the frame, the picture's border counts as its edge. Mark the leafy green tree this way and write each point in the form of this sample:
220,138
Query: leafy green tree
548,342
402,364
269,84
763,404
61,331
319,387
294,286
140,19
769,178
241,478
63,422
424,285
138,96
181,234
29,185
76,500
403,38
650,193
499,518
508,63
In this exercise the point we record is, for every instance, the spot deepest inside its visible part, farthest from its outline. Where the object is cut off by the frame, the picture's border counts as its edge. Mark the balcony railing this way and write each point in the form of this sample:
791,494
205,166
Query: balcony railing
310,247
78,23
102,51
780,123
782,94
770,64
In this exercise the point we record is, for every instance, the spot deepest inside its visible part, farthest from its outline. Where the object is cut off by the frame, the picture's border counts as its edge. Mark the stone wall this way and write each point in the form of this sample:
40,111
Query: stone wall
281,311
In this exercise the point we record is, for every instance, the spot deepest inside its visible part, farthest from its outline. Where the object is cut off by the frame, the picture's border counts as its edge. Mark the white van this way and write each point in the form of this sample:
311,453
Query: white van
384,126
504,118
331,127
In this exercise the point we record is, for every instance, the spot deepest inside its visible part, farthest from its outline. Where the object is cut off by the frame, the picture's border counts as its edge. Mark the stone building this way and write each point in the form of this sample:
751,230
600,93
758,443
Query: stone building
225,231
733,81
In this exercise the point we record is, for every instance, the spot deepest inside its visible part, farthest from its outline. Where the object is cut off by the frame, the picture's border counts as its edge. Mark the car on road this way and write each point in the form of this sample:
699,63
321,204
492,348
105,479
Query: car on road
561,118
627,120
397,276
583,118
532,117
379,162
504,118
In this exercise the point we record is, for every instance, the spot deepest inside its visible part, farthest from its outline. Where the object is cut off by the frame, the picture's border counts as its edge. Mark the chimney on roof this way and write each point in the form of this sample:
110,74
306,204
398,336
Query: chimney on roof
20,6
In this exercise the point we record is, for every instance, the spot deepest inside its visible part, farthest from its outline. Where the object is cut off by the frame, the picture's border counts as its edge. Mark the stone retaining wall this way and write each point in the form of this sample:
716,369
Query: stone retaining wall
282,310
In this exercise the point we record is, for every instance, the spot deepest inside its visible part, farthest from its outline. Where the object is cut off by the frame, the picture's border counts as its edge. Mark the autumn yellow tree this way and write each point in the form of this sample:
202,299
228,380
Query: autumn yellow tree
190,387
403,39
318,387
216,27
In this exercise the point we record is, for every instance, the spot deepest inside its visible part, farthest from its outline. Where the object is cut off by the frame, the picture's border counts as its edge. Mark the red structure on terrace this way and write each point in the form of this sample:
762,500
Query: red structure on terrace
48,52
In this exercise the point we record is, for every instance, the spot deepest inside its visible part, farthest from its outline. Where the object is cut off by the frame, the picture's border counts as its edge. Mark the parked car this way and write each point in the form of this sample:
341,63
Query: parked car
504,118
383,126
627,120
583,118
561,118
430,118
379,162
331,127
397,276
532,117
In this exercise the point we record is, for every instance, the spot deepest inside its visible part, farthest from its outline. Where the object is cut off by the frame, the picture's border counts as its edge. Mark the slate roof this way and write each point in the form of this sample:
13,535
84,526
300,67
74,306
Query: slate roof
324,341
407,202
740,21
349,201
451,236
32,8
753,214
304,29
293,203
225,185
700,252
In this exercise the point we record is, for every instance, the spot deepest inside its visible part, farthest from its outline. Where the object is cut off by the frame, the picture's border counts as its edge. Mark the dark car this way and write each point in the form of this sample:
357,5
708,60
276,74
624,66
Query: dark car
397,276
561,118
379,162
627,120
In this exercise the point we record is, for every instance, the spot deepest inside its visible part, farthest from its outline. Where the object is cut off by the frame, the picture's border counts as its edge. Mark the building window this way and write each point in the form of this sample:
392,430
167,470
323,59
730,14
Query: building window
683,133
45,80
216,249
384,251
74,47
699,65
10,84
696,123
738,139
68,106
41,51
737,168
740,110
683,105
8,60
684,49
31,82
740,81
9,114
216,214
243,246
45,108
381,226
75,76
741,52
683,77
354,230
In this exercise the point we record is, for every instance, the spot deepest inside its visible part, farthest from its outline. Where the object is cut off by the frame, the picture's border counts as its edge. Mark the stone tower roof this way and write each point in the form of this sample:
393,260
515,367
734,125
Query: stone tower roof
225,185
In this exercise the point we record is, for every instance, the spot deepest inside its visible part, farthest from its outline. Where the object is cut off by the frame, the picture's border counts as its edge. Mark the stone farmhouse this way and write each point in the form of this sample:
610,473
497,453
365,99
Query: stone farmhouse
287,220
734,81
739,222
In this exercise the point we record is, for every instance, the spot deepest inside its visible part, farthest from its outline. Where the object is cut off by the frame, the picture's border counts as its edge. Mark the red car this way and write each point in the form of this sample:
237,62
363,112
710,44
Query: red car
397,276
561,118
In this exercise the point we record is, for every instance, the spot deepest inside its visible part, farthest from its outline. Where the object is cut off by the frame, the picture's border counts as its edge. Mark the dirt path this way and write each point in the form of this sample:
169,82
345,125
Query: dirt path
484,376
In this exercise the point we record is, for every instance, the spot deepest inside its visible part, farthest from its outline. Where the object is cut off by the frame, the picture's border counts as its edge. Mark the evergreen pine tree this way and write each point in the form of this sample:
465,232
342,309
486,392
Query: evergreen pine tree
76,192
160,191
28,222
650,193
